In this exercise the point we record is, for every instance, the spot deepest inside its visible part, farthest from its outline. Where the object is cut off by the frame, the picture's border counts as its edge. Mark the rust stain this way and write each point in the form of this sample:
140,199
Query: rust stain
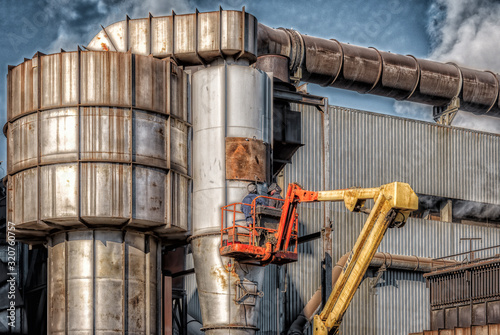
220,276
246,159
104,46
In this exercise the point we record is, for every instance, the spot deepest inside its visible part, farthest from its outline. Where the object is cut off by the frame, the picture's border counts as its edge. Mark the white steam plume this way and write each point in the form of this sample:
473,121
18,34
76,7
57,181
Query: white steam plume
466,32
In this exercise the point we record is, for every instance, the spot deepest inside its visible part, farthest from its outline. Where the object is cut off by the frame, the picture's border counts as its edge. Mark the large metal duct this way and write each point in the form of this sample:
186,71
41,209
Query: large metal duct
368,70
200,38
231,123
98,148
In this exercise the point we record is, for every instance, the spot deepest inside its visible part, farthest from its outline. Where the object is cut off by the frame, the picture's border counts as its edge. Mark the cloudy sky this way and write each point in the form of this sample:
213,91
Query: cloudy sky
461,31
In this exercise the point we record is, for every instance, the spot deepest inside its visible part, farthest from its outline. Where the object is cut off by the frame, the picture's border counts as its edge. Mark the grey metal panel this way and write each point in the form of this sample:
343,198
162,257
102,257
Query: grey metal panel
303,277
400,302
370,149
193,302
105,134
151,137
59,80
59,135
105,193
23,143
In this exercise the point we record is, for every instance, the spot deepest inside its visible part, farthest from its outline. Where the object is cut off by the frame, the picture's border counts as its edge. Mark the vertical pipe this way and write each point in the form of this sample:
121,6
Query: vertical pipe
228,101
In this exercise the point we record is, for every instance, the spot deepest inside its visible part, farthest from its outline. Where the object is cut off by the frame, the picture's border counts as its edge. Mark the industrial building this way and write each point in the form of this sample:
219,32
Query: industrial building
122,153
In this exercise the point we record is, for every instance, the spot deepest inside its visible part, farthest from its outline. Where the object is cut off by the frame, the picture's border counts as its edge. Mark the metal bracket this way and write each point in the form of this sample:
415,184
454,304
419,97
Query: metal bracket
247,293
445,114
379,273
296,77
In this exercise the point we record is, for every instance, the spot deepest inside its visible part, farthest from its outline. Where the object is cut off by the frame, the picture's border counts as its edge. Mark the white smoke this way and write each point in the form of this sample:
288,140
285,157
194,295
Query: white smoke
467,32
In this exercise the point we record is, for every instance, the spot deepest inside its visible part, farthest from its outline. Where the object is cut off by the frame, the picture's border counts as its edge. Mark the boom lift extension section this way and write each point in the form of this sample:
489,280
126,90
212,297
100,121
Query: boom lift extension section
393,203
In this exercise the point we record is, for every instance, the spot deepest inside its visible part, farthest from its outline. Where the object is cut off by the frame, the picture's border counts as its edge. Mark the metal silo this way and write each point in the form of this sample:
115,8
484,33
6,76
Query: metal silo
231,104
98,146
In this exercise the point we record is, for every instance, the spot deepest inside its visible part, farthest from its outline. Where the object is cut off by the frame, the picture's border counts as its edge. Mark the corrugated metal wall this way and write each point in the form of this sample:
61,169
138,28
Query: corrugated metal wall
369,149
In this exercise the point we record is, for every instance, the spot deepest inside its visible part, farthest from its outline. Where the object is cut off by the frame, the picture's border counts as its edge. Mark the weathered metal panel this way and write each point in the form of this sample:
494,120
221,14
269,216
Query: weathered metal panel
60,196
104,281
105,134
105,193
59,135
247,159
371,149
180,142
190,38
150,79
23,143
106,78
59,79
138,38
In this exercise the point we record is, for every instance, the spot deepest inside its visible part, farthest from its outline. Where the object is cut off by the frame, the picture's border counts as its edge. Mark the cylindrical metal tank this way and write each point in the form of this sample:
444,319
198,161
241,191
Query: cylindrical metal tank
229,101
98,139
104,282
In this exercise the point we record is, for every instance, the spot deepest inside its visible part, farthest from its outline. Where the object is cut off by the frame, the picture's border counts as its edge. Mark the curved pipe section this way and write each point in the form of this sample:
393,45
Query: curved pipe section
367,70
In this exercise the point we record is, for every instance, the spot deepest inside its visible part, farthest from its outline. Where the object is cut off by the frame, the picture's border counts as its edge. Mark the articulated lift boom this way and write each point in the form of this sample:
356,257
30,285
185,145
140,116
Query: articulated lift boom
393,203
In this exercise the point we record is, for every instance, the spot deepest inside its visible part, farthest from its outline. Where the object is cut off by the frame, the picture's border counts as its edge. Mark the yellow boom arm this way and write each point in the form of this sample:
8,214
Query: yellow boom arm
393,203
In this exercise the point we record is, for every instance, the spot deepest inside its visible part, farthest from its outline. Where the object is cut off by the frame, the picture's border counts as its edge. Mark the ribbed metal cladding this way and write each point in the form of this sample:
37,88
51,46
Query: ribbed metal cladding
399,303
371,149
304,276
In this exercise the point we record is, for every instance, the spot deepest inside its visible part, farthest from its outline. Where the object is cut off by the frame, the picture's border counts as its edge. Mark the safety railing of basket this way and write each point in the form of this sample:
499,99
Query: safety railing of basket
231,234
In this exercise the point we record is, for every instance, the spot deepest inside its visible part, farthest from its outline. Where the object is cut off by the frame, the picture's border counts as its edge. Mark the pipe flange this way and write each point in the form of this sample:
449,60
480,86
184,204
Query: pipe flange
190,238
229,327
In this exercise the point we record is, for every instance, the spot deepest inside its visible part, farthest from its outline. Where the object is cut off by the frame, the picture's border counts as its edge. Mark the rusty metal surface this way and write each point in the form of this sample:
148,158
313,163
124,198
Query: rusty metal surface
474,330
438,84
103,280
480,90
400,76
367,70
247,159
276,64
465,295
192,39
361,69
